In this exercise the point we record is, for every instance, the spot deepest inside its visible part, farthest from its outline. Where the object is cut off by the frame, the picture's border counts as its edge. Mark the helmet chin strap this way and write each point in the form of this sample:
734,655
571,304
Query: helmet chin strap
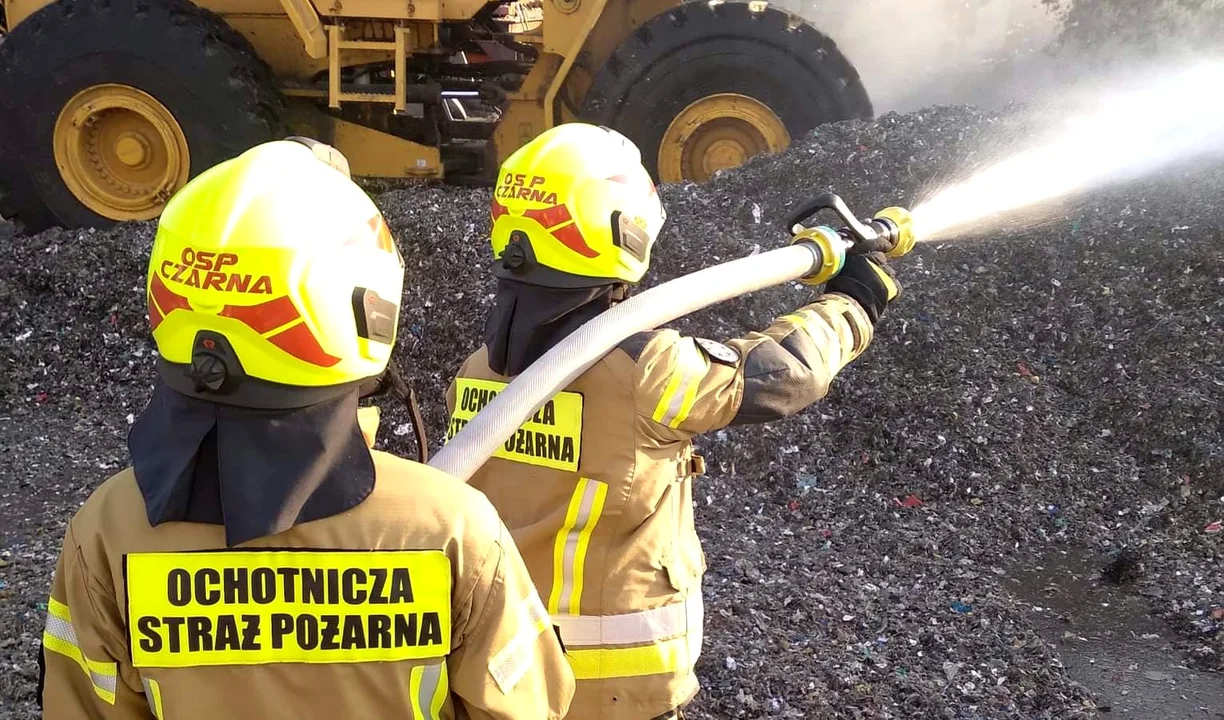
393,381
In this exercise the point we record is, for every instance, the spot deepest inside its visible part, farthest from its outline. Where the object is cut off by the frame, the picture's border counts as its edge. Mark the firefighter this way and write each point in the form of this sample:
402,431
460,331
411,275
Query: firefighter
596,487
259,559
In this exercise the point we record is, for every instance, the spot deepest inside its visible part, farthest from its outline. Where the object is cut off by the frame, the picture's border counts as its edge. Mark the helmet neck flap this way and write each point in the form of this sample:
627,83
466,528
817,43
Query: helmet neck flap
255,471
528,320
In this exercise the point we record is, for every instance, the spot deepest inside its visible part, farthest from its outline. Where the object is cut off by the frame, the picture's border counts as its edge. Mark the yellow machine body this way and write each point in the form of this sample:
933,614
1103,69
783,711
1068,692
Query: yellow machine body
300,38
356,74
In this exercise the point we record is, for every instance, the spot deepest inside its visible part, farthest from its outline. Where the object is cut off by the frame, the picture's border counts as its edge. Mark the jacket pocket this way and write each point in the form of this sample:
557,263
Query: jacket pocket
683,561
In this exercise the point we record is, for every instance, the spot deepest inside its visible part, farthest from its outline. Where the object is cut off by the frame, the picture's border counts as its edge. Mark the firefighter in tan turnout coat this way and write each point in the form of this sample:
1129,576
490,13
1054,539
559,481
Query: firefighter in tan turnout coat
259,560
596,488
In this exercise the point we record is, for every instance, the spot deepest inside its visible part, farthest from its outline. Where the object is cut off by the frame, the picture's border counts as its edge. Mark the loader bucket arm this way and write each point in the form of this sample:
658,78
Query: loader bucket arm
306,21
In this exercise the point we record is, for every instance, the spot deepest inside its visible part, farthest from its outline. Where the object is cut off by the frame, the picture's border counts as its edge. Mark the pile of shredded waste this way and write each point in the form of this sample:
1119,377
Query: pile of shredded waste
1043,402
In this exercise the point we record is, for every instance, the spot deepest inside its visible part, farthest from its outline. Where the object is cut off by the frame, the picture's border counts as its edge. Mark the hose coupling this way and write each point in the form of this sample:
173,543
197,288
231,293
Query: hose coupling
829,249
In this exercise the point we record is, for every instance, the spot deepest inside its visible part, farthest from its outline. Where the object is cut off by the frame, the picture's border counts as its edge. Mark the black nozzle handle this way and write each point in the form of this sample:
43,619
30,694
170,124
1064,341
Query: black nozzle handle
862,232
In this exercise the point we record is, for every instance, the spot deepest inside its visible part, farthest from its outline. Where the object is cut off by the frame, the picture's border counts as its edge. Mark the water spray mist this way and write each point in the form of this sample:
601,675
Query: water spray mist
1173,117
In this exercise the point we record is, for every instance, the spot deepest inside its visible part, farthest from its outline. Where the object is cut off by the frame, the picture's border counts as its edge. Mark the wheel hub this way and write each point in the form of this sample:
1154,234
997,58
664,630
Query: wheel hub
120,152
718,132
133,150
724,154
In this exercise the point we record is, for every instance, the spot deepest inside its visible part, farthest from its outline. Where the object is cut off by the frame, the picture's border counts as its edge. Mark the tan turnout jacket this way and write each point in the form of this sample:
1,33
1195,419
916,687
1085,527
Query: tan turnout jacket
414,604
597,490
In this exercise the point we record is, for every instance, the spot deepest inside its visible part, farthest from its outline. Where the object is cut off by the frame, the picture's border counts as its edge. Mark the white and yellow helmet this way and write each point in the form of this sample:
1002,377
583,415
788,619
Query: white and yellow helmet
279,264
574,208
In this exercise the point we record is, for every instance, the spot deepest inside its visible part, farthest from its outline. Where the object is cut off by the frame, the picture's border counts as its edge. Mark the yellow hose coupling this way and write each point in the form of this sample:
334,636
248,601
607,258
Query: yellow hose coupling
830,251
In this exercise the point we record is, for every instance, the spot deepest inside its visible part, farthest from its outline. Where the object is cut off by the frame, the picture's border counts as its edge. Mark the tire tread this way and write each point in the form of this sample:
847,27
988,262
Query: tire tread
42,41
645,53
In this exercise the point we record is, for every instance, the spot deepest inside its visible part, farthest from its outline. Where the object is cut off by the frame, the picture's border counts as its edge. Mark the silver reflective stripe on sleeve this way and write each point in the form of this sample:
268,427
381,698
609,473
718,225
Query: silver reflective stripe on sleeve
60,637
681,392
104,679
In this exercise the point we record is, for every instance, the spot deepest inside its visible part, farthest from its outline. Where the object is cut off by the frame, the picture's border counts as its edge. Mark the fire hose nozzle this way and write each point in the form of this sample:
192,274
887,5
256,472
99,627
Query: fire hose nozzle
898,225
891,232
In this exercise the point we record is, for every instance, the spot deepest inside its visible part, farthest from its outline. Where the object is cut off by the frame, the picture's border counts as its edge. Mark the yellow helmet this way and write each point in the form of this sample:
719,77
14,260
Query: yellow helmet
575,208
276,267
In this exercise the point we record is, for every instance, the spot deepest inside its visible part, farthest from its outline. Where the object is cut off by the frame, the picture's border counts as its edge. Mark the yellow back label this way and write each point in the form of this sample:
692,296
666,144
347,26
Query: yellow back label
282,606
552,438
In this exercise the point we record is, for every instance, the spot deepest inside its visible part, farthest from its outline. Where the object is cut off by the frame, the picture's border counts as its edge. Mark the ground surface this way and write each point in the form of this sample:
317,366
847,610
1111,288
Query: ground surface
925,543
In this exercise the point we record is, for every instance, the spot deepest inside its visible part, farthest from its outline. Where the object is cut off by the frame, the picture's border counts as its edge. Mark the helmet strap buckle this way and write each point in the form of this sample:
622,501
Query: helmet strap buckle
208,372
213,364
515,256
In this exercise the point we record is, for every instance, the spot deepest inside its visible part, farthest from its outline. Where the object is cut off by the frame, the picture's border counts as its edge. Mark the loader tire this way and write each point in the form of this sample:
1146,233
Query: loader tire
162,90
707,85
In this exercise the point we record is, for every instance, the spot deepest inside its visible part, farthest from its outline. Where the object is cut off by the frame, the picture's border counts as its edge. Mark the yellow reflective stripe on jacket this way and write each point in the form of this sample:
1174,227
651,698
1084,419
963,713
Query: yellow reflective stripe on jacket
153,695
512,662
60,637
669,640
800,318
428,685
681,391
635,628
667,657
570,547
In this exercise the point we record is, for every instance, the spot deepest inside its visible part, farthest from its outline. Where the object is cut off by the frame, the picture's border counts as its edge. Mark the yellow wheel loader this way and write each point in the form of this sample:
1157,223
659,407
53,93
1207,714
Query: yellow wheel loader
107,107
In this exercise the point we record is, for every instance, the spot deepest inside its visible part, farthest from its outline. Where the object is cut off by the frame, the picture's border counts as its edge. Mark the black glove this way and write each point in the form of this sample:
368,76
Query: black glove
869,281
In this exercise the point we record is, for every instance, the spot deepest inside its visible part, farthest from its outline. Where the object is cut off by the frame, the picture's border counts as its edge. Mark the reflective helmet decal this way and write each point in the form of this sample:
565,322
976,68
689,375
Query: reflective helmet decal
264,317
497,210
299,342
570,235
376,234
162,301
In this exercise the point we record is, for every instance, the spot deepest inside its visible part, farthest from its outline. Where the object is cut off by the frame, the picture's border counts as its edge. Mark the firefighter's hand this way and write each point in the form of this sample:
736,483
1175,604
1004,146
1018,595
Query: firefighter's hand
869,281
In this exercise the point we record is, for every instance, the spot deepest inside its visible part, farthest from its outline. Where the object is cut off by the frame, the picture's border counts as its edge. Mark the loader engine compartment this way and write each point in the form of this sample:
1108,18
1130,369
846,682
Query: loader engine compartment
456,90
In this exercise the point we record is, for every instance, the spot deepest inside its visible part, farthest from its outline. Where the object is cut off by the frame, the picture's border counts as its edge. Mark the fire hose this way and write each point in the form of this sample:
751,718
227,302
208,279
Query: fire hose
814,256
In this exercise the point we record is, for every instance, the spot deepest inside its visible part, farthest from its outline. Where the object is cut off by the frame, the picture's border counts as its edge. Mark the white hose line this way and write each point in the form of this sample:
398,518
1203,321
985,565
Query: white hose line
501,418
